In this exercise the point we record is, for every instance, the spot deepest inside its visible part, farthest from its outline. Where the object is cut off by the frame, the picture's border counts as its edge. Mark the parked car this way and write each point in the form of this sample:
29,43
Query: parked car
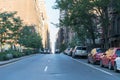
117,64
57,51
46,51
68,51
94,55
79,51
65,51
111,59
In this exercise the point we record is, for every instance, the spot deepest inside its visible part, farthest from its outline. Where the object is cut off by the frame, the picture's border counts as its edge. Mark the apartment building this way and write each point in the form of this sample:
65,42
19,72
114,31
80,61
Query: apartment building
32,12
114,28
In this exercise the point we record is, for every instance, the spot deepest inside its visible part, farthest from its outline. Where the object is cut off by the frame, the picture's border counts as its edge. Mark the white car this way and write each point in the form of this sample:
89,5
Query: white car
117,64
80,51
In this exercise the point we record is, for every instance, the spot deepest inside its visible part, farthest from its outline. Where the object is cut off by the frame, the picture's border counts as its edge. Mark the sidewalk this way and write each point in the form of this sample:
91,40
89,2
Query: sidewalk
13,60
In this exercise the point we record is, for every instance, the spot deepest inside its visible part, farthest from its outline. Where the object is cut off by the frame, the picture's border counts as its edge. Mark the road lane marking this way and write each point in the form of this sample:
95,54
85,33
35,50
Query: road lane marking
92,66
46,68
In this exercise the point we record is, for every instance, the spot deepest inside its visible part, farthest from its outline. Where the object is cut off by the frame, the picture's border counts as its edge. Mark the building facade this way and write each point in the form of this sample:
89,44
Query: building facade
114,28
44,26
32,12
60,39
65,35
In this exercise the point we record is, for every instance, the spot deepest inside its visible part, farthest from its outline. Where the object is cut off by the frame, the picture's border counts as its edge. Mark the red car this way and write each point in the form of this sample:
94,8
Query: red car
94,55
108,59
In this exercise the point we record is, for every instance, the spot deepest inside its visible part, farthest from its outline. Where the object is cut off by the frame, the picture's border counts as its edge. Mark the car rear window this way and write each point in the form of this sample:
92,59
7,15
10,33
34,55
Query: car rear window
68,48
84,48
118,52
81,48
99,50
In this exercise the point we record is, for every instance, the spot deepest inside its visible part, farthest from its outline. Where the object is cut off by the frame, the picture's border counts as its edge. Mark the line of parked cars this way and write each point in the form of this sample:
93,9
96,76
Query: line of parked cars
95,55
109,58
105,58
77,51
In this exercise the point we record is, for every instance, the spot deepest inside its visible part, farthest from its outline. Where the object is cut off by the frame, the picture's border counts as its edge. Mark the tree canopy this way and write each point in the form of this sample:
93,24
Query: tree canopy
13,31
9,27
83,16
29,37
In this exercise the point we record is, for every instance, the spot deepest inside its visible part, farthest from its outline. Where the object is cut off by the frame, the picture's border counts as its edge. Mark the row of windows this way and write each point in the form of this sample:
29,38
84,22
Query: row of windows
116,27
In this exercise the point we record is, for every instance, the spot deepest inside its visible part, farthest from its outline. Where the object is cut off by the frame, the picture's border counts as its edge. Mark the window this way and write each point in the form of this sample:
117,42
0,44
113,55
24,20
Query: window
118,26
99,50
118,52
81,48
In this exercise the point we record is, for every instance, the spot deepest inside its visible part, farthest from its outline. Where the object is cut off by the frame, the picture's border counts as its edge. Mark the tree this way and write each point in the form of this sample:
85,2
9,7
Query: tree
101,8
78,17
9,27
29,38
82,13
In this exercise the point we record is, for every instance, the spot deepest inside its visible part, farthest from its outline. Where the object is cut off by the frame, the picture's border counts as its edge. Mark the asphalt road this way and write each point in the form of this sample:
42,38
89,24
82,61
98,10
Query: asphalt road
55,67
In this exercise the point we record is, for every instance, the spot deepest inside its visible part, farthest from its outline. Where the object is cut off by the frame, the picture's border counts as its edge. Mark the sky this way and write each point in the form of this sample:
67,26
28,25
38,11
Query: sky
53,17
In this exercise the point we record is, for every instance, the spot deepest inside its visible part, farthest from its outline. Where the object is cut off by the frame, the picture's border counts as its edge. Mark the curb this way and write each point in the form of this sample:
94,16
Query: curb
7,62
14,60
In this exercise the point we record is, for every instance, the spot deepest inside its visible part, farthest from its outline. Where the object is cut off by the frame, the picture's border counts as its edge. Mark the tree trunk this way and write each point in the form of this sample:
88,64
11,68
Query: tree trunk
105,26
93,39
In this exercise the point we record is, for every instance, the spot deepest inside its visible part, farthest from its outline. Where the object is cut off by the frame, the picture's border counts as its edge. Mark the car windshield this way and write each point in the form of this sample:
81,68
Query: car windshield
99,50
118,52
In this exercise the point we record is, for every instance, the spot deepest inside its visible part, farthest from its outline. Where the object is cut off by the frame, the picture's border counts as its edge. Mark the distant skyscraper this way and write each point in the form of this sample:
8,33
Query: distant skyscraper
45,30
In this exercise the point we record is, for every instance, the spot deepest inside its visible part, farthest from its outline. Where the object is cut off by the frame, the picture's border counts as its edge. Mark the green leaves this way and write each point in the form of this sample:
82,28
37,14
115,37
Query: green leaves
6,26
83,16
29,38
13,32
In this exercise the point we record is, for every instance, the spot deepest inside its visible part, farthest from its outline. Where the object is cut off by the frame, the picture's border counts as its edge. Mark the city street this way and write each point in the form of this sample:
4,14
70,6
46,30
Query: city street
55,67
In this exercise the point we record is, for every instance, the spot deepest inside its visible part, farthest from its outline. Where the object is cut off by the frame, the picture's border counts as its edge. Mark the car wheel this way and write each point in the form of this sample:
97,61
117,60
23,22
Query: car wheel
73,55
88,60
110,65
70,54
101,63
93,62
115,67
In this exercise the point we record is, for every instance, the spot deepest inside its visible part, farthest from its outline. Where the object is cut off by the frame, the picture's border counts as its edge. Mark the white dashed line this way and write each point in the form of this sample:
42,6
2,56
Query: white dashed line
46,68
